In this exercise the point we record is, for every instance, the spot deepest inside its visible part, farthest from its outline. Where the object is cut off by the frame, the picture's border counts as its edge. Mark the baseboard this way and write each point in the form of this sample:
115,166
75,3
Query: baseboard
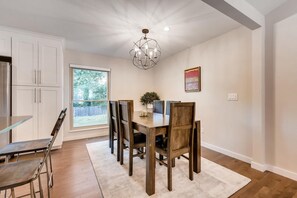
258,166
83,136
227,152
283,172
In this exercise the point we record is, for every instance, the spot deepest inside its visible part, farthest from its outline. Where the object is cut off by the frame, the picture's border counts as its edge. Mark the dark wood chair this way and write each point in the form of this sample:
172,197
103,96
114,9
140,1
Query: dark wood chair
180,137
127,135
168,102
25,172
114,127
17,148
132,110
158,106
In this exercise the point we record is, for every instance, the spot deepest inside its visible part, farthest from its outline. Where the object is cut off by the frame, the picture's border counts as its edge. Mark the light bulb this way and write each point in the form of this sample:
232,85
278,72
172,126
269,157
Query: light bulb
146,46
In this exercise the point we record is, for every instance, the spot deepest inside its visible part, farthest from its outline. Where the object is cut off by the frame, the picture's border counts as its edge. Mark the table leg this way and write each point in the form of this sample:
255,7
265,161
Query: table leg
197,148
150,161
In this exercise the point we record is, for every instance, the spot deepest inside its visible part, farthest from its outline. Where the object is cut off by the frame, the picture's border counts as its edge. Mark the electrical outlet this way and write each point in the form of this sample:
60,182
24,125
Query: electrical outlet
232,97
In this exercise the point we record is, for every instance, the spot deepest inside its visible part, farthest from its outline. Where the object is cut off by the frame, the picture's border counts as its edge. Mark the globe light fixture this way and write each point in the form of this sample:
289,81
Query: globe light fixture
146,52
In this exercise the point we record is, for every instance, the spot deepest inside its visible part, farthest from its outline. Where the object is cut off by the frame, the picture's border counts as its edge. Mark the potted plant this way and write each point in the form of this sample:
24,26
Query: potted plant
148,98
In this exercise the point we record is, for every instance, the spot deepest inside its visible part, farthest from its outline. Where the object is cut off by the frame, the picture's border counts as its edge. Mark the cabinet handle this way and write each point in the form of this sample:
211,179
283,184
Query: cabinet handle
34,76
39,78
34,95
39,95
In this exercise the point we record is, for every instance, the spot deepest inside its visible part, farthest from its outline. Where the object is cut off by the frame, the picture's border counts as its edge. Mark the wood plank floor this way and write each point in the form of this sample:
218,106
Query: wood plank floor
74,175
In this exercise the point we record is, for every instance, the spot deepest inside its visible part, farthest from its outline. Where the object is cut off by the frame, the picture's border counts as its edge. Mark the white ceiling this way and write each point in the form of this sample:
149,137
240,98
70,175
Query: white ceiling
109,27
266,6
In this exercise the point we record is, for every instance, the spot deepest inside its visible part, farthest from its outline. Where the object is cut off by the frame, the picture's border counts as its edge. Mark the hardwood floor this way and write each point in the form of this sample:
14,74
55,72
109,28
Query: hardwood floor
74,175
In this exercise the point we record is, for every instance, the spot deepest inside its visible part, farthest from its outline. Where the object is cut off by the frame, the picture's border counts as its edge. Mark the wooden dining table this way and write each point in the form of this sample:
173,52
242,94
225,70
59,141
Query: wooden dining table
157,124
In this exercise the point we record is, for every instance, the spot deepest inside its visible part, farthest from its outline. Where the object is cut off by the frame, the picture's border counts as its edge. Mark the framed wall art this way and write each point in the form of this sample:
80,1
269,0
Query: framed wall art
193,79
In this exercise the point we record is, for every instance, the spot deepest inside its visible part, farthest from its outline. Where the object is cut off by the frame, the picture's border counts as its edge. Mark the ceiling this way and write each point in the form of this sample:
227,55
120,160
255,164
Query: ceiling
109,27
266,6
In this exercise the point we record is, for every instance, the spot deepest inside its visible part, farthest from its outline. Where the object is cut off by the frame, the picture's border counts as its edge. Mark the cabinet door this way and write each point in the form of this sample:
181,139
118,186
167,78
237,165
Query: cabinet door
24,60
49,107
50,63
5,44
24,102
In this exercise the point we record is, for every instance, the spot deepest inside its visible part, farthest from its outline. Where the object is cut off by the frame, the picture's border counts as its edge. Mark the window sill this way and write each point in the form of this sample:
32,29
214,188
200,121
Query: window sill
88,129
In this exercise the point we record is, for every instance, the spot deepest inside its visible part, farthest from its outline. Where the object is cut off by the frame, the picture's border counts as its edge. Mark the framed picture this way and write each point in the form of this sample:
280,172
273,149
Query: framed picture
193,79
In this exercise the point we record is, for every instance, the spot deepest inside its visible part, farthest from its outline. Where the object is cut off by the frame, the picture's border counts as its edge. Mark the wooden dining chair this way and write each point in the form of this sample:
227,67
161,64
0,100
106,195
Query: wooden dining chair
168,102
26,171
127,135
180,137
114,127
17,148
158,106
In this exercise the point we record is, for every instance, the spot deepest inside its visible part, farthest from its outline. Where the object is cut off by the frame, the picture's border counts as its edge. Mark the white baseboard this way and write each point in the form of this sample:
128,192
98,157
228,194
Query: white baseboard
227,152
83,136
283,172
258,166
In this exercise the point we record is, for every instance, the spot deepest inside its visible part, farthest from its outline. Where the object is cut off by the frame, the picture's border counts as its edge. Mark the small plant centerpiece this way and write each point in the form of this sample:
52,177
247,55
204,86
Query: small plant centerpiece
148,98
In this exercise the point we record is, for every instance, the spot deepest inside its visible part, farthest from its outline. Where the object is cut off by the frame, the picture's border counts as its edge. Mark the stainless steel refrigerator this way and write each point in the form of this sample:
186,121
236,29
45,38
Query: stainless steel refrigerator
5,95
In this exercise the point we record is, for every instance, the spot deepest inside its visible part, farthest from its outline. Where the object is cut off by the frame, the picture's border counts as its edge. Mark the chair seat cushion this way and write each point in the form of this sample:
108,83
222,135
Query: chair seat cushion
18,173
25,146
139,138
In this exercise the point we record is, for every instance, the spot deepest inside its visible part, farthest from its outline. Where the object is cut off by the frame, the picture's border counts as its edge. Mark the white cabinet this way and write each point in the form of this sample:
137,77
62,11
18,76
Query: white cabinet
44,104
50,63
5,44
36,61
24,60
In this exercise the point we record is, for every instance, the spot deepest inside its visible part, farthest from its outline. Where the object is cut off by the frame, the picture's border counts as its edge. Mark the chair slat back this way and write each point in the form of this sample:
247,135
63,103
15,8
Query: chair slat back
59,122
158,106
113,116
181,126
132,104
168,102
125,121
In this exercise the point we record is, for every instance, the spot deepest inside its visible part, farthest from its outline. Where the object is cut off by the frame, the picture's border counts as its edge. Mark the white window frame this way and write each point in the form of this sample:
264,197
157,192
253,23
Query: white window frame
94,68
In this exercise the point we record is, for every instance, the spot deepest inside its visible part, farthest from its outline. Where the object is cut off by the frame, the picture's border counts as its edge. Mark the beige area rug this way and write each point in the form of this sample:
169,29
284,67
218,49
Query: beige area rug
213,181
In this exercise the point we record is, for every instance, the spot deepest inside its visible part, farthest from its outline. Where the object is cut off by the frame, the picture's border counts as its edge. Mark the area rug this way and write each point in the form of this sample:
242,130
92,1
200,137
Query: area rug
213,181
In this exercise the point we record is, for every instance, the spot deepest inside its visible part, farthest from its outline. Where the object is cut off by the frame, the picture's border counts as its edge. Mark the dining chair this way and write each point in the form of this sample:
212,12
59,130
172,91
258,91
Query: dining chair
180,137
127,135
132,110
114,127
158,106
168,102
23,172
17,148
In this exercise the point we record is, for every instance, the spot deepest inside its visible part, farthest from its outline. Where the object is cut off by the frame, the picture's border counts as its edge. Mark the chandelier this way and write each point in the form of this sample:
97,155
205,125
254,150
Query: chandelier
146,52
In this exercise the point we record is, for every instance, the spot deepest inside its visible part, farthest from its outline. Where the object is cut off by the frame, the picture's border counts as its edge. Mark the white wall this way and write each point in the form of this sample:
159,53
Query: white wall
285,122
226,68
127,82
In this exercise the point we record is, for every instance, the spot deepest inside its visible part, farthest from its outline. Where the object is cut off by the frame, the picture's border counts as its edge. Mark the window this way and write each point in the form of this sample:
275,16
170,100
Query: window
89,97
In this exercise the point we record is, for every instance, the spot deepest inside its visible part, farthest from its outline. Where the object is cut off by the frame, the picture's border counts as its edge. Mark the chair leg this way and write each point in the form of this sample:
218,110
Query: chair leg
40,187
51,169
130,161
161,159
112,143
121,153
191,165
47,177
32,191
118,147
169,173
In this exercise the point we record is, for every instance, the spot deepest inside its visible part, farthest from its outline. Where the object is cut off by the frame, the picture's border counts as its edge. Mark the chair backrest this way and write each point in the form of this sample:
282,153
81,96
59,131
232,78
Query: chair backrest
125,121
168,102
54,134
113,117
181,127
158,106
132,104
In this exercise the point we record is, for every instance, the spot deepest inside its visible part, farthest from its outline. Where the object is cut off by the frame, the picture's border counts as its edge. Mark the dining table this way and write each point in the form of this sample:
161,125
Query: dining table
155,124
9,122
